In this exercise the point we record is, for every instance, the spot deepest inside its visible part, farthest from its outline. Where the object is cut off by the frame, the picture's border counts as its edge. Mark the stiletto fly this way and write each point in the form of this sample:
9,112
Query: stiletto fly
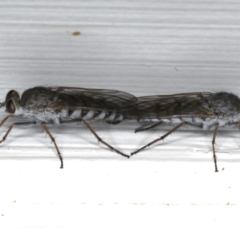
205,110
59,105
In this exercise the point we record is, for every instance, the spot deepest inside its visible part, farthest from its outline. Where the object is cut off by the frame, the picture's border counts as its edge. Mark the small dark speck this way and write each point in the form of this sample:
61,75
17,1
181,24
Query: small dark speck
76,33
2,215
222,169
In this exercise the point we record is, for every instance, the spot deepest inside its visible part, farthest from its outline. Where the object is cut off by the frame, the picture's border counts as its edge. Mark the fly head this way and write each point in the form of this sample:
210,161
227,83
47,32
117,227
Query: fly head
12,102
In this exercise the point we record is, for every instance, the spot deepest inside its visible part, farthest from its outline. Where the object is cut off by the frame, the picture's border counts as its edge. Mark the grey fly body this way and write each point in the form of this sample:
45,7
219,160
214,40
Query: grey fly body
59,105
205,110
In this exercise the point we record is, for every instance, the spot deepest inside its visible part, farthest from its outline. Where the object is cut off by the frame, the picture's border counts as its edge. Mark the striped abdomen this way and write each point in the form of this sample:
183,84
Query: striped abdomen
204,123
112,117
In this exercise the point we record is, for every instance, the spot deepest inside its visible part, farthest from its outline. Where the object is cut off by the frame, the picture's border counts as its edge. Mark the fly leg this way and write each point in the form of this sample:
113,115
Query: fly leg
96,135
88,126
159,139
213,146
149,127
54,142
11,127
102,141
5,119
29,123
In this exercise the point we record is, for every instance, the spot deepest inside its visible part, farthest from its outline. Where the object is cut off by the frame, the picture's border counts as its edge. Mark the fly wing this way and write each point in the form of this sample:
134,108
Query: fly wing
166,106
97,99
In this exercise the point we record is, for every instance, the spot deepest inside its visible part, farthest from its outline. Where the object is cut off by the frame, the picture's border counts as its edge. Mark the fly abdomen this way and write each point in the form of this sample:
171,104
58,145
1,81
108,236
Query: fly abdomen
86,114
114,117
74,113
109,116
80,113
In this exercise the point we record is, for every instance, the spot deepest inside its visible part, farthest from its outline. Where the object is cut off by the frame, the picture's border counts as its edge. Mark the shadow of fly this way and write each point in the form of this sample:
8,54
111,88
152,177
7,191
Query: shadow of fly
59,105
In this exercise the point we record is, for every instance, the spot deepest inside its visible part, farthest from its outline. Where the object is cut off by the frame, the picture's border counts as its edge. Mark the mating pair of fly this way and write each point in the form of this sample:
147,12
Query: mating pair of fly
59,105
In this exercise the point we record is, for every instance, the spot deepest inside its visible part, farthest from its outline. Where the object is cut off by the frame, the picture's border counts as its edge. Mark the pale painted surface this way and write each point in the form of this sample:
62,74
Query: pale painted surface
143,47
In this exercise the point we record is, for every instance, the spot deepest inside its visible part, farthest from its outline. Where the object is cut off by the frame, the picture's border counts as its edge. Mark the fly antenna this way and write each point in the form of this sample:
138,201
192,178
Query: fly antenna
2,104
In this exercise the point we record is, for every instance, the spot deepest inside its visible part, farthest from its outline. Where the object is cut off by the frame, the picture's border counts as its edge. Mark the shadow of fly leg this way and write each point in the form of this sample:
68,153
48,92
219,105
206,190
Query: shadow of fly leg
100,140
11,127
54,142
142,128
213,146
159,139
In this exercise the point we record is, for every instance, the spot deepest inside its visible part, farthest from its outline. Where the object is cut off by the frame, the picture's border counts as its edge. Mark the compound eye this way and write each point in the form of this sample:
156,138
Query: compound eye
12,94
10,107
